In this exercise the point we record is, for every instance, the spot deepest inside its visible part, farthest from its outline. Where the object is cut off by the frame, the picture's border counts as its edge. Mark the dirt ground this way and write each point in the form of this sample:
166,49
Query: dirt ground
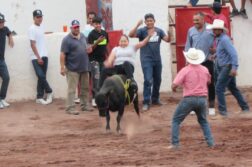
34,135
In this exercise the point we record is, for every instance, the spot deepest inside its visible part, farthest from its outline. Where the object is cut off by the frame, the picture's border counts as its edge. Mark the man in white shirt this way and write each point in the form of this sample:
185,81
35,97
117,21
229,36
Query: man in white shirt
89,26
38,53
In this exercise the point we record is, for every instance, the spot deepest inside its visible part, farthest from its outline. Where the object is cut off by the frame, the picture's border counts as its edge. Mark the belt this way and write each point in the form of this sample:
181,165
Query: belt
196,96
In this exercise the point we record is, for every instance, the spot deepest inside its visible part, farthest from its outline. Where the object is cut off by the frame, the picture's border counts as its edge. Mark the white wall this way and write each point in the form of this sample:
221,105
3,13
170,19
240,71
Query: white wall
125,16
242,40
57,13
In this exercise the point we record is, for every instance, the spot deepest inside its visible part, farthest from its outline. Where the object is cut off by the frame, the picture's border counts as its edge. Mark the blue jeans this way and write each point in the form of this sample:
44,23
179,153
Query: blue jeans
4,74
42,85
152,71
96,68
186,105
224,80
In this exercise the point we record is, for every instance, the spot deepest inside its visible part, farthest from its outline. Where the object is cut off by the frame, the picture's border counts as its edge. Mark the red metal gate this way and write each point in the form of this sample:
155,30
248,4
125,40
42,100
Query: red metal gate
184,20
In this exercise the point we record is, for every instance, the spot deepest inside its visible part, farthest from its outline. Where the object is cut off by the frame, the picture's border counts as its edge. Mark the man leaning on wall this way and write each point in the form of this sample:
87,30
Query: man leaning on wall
4,74
38,53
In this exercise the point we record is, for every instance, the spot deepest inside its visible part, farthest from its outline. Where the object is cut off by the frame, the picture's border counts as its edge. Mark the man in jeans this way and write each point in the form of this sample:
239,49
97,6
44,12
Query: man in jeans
150,59
75,65
200,38
227,65
38,53
4,74
194,79
98,39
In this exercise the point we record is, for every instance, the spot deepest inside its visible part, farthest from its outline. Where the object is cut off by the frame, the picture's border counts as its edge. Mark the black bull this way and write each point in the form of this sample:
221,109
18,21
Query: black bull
111,97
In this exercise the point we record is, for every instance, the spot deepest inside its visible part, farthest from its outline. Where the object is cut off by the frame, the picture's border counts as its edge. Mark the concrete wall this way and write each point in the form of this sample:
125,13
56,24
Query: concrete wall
56,13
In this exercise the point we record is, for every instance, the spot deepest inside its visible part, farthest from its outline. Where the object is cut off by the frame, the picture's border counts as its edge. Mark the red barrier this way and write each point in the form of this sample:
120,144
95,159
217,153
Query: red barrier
184,20
114,37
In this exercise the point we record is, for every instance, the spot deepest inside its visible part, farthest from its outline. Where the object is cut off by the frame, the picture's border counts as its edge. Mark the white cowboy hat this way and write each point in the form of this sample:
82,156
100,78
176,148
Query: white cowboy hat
194,56
217,24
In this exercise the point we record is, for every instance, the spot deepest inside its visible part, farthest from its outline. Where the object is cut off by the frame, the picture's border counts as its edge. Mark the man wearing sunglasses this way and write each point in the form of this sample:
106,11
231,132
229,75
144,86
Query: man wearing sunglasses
38,53
4,74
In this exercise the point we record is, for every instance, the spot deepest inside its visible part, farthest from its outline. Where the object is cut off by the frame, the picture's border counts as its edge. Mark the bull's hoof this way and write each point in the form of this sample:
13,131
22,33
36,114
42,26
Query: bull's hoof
102,114
108,131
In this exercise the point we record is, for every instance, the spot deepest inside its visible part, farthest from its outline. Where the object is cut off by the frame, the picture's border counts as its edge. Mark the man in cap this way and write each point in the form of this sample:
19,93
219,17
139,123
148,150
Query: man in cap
194,79
227,65
75,65
200,38
4,74
38,53
150,59
99,40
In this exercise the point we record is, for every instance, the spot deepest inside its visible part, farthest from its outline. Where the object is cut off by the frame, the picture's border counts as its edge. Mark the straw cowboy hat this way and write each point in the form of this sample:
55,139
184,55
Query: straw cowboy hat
217,24
194,56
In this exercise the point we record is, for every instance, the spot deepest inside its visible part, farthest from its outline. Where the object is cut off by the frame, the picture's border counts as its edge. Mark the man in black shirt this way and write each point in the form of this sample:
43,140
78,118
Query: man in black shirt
4,74
98,38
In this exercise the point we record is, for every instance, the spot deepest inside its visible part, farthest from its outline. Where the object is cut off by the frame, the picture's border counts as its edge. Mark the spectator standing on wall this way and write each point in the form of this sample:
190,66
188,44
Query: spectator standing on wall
4,73
242,11
38,53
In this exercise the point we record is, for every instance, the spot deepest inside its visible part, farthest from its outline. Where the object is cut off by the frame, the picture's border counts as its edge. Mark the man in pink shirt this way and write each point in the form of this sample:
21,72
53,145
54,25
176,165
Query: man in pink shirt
194,79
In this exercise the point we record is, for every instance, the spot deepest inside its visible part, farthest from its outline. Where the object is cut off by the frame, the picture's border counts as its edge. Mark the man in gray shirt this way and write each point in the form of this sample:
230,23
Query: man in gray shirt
200,38
75,65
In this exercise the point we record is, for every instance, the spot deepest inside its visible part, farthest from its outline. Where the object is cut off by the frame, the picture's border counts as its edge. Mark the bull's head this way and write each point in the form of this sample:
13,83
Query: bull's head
102,104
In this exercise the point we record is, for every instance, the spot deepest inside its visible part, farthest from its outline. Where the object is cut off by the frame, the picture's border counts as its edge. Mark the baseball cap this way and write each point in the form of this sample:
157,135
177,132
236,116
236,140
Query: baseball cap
75,23
2,17
37,13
